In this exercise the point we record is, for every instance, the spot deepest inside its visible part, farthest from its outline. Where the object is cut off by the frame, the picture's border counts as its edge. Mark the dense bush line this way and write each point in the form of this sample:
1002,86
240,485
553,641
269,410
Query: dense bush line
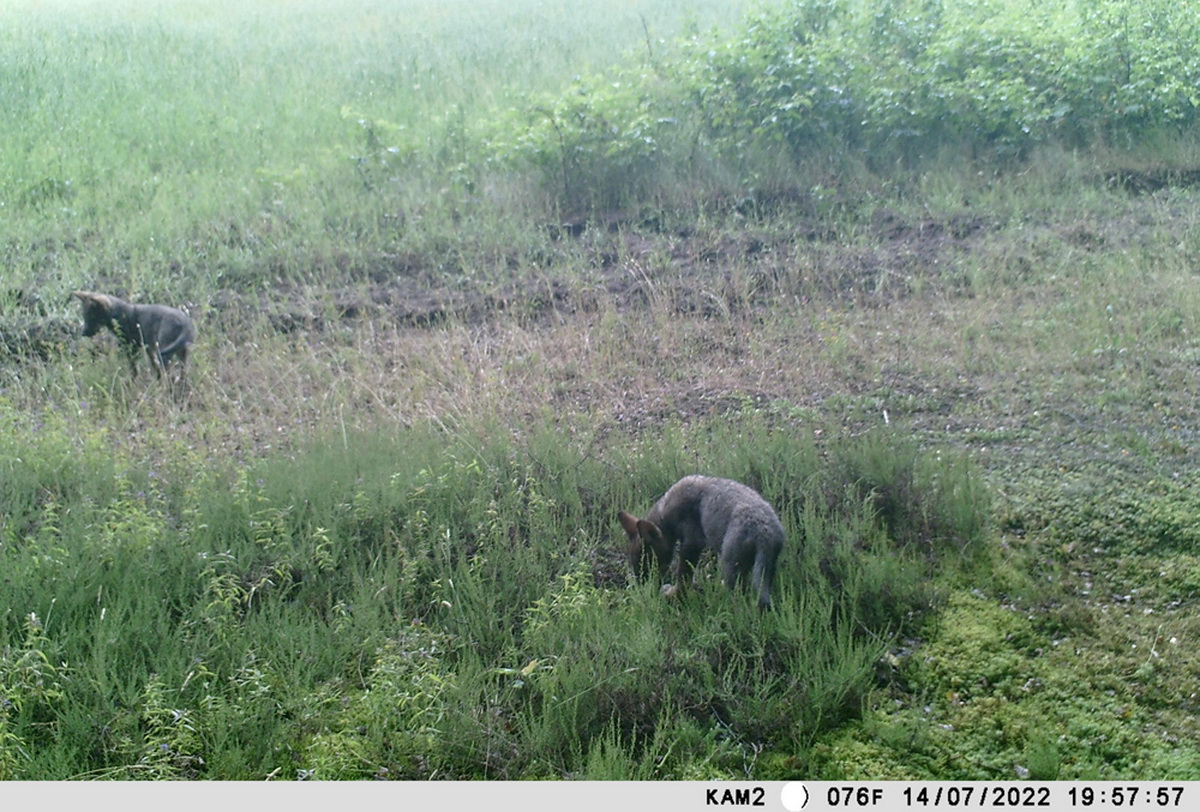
880,80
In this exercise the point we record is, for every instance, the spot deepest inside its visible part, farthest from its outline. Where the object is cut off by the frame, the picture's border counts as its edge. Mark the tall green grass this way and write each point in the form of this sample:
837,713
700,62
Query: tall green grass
429,605
176,148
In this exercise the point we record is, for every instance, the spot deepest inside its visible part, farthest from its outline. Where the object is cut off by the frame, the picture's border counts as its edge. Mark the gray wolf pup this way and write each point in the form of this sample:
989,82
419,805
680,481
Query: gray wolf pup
701,512
164,332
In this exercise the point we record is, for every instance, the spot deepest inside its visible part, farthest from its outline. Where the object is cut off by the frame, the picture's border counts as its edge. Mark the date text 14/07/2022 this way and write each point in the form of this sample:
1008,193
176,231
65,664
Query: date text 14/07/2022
1101,796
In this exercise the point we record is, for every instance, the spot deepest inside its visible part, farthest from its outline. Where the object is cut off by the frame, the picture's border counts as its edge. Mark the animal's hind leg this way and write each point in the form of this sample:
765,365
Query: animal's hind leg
736,558
763,576
156,359
731,572
179,385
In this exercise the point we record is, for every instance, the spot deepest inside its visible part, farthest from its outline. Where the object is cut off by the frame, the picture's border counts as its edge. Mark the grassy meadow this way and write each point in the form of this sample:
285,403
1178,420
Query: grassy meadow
470,277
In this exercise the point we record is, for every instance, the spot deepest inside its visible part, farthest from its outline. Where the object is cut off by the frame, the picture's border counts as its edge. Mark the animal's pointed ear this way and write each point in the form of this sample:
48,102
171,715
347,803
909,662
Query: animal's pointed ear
652,537
651,534
83,295
629,523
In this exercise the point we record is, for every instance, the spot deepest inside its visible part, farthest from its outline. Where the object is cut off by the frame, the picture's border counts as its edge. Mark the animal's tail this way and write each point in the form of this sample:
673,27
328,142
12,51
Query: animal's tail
182,340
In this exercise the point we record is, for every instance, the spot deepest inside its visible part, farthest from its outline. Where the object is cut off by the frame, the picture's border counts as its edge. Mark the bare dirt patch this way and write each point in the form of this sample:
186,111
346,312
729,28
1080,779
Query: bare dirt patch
688,271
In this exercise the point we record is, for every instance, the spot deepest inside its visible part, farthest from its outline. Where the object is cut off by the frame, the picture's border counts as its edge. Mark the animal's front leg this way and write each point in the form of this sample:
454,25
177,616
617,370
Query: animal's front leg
685,570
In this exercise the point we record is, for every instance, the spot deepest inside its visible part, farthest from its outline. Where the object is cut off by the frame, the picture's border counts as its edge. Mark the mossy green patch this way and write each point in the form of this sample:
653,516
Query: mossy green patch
992,695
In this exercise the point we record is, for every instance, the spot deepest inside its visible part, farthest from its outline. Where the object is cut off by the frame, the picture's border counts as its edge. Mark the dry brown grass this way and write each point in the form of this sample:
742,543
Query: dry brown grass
953,324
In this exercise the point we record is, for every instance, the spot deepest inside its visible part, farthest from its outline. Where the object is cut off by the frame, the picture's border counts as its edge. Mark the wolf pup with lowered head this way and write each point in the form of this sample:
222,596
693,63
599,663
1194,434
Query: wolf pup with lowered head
164,332
698,513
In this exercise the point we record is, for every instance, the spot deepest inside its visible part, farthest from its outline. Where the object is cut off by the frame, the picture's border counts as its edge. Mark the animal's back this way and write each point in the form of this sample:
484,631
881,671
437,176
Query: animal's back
166,332
727,502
